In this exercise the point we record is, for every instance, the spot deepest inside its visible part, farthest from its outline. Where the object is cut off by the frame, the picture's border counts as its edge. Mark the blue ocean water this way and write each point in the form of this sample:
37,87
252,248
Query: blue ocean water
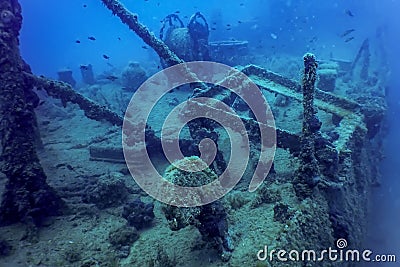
275,26
66,34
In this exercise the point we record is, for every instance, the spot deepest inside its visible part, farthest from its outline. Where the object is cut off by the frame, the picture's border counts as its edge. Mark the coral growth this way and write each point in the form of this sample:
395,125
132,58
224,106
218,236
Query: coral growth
266,195
209,219
109,191
122,238
138,213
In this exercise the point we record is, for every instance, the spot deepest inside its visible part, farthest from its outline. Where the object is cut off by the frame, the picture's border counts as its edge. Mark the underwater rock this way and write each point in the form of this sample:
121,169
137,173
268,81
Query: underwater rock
133,76
66,76
236,199
123,236
109,191
139,214
210,219
176,173
87,74
266,195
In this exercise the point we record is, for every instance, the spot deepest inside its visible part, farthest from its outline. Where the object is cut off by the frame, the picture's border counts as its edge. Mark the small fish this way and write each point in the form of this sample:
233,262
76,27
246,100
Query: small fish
177,12
69,167
112,78
158,4
185,17
348,39
144,47
228,29
239,21
349,13
77,41
84,5
213,28
241,4
228,25
119,38
347,32
274,36
105,56
91,38
83,67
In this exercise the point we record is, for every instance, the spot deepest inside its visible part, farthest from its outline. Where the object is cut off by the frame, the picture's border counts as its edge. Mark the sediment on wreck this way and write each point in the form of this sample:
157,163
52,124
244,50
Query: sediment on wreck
27,196
164,52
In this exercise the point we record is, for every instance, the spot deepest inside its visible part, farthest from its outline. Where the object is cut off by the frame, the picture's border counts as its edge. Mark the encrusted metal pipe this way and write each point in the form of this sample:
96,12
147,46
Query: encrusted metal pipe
308,175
